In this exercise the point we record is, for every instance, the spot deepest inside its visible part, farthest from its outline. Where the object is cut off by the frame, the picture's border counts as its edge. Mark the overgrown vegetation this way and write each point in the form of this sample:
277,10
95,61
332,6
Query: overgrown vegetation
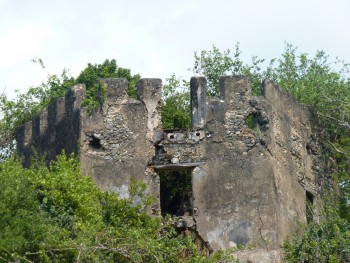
214,64
56,214
176,192
48,214
323,240
176,104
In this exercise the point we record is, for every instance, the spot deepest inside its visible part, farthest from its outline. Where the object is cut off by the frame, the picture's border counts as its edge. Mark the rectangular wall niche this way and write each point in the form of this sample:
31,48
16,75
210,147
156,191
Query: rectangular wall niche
309,207
176,192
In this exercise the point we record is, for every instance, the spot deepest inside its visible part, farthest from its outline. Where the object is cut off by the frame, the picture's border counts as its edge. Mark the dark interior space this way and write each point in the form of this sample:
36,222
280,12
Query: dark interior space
176,192
94,142
309,207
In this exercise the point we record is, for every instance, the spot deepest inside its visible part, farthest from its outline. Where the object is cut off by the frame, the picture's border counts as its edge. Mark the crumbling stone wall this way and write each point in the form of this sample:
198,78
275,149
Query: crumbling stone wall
123,128
253,159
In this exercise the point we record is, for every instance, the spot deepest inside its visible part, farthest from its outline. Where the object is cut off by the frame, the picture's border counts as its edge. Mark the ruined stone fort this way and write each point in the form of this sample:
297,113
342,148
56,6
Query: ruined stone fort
254,163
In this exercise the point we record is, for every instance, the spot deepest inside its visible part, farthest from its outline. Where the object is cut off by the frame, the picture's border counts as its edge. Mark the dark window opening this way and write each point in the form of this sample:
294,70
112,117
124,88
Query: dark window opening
252,122
94,142
309,207
176,192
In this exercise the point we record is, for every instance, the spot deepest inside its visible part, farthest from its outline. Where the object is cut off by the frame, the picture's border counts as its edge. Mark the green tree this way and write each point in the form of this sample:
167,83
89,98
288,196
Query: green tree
56,214
176,104
323,240
92,74
214,64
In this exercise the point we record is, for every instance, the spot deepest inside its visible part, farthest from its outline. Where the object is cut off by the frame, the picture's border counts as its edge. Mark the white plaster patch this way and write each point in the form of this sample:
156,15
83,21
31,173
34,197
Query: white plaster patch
123,191
215,236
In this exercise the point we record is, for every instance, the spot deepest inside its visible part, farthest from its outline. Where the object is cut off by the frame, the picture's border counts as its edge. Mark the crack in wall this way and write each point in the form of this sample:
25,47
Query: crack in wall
266,242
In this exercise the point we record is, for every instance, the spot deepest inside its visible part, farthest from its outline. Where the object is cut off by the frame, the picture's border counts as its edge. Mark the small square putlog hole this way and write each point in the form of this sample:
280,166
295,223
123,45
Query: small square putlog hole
176,192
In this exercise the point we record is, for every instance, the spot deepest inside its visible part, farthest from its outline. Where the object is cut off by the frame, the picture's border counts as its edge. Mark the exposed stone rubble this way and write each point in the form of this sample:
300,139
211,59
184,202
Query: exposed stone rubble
253,159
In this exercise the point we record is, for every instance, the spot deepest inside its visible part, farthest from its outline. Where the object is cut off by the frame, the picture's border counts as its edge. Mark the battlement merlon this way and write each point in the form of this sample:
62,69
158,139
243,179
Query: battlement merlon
198,101
234,90
116,90
150,93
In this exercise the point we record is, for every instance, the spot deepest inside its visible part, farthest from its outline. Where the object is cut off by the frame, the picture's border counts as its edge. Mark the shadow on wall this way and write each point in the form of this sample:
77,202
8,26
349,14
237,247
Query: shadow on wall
53,130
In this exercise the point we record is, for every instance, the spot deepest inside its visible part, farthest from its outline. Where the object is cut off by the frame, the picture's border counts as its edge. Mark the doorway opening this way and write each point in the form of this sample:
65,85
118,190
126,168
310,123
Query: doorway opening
176,192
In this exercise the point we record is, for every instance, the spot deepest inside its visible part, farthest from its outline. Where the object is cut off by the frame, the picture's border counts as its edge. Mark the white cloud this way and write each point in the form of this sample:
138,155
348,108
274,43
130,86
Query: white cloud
182,9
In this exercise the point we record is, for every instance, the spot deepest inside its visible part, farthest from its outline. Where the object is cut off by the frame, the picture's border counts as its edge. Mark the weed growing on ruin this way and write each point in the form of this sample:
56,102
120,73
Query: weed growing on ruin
95,96
253,124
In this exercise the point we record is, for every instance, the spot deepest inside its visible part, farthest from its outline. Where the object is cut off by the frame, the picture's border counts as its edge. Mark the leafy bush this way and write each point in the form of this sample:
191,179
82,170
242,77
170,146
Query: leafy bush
176,104
56,214
326,239
91,76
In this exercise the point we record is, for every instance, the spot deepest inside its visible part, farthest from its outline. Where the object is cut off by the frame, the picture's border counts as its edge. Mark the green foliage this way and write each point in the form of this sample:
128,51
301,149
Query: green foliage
95,96
176,192
214,64
222,256
317,82
176,104
56,214
16,112
91,75
325,86
326,240
251,122
108,69
136,191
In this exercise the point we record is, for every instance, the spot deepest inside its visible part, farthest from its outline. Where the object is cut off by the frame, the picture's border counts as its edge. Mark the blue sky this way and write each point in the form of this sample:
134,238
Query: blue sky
158,38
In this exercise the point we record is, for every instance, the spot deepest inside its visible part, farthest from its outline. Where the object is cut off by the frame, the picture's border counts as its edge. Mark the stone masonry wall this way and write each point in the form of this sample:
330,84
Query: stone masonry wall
122,128
253,159
249,183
